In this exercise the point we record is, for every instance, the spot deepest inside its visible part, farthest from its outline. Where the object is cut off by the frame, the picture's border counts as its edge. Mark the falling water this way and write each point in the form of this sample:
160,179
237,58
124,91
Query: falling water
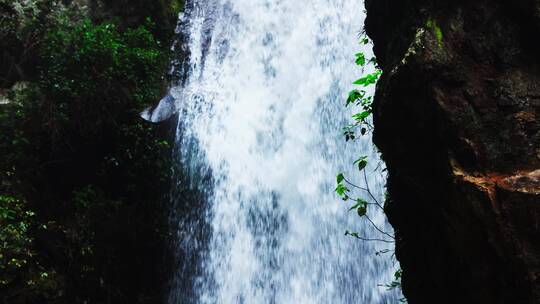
259,144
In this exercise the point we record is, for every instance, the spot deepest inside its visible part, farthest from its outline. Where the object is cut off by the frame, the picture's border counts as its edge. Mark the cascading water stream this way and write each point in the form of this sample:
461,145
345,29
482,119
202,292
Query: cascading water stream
259,143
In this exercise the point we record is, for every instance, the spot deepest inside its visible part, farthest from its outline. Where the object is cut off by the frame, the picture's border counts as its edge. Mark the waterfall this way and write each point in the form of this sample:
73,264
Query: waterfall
259,143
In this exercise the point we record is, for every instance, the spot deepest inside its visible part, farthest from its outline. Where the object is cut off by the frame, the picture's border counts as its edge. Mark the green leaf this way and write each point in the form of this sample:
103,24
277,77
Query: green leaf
398,274
361,211
369,79
360,81
361,117
340,177
360,59
354,95
359,203
361,162
353,234
341,190
349,135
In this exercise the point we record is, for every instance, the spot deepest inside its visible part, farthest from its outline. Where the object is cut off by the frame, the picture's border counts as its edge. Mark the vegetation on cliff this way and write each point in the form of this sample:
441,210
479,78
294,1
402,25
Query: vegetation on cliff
83,177
360,195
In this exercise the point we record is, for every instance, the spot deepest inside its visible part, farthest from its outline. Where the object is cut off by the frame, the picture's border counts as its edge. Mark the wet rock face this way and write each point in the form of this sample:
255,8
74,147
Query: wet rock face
456,118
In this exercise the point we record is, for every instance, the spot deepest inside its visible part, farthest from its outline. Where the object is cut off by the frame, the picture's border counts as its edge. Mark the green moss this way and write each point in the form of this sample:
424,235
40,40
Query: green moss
432,25
177,6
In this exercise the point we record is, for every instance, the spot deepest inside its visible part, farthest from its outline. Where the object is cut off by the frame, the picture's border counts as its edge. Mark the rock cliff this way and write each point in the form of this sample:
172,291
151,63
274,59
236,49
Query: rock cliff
456,120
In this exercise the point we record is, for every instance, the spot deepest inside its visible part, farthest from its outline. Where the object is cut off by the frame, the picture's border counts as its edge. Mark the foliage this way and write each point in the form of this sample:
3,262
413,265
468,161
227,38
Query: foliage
20,271
15,240
360,98
396,283
88,70
362,123
22,27
132,13
98,59
83,176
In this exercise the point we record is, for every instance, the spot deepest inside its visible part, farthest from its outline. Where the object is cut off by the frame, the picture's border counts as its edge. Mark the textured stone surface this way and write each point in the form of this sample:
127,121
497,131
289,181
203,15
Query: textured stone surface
456,119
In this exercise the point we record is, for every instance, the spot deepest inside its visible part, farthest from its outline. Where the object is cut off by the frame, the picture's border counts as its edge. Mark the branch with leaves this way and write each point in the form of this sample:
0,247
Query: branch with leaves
361,121
361,124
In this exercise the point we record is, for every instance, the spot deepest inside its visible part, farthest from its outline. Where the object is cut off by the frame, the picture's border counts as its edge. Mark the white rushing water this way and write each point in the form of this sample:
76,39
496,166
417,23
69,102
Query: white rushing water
260,141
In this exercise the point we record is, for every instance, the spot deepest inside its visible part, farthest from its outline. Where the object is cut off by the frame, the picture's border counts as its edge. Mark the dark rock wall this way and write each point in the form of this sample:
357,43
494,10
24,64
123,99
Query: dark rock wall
456,119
